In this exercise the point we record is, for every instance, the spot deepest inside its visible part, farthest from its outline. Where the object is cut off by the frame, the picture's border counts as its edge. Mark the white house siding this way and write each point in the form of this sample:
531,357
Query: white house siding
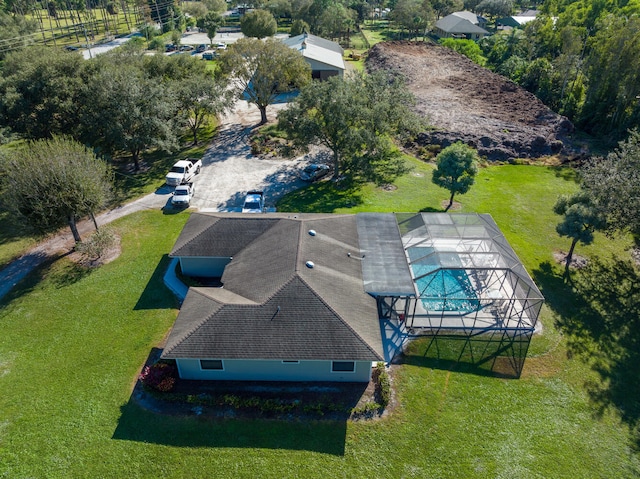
326,70
205,267
274,370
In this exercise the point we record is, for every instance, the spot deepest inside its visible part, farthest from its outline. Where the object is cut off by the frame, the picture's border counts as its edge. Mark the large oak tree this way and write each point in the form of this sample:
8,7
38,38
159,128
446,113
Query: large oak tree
265,69
52,183
354,117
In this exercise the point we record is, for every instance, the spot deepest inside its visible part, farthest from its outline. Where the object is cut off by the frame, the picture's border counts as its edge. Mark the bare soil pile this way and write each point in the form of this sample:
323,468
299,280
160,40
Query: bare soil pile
466,102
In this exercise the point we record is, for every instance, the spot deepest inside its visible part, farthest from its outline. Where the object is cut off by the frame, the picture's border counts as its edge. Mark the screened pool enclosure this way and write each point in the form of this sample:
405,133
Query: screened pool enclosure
460,277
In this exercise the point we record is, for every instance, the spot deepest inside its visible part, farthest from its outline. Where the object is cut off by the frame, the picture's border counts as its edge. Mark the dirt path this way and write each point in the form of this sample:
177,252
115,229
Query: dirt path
229,170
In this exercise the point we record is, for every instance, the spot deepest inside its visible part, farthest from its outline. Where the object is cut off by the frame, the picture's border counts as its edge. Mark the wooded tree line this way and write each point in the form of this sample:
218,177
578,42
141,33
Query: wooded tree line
579,58
121,102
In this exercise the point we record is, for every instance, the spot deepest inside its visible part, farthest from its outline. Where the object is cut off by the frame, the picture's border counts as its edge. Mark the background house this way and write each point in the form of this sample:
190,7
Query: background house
461,25
324,56
517,21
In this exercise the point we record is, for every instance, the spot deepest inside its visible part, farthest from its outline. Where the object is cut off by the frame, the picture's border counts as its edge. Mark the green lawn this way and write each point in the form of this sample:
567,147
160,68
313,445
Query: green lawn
73,341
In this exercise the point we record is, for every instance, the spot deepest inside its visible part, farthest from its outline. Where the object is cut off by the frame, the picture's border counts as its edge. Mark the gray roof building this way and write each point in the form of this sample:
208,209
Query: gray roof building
460,25
273,305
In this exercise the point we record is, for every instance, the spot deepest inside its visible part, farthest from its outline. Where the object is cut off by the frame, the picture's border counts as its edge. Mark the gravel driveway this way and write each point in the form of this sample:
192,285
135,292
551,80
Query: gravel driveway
230,170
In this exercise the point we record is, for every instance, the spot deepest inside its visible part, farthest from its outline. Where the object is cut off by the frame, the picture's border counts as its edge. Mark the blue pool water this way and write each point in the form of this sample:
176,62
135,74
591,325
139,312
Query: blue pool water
442,289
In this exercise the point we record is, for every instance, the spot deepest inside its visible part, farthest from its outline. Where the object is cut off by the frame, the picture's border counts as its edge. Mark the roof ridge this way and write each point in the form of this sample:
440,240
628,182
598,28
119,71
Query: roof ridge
337,315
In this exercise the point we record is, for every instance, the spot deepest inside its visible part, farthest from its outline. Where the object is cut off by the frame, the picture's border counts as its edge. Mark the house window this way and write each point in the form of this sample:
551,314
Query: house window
211,364
290,361
343,366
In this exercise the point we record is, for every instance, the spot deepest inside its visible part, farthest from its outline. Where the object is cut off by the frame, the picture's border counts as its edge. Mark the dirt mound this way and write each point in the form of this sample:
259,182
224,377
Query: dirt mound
465,102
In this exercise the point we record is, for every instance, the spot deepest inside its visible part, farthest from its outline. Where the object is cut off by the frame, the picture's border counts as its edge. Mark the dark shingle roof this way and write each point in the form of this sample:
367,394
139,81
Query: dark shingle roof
207,235
294,324
322,312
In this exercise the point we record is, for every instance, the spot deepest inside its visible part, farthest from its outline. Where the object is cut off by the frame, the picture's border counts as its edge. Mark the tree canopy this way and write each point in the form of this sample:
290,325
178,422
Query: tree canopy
201,96
265,69
39,92
127,111
210,23
580,219
456,169
54,182
353,117
258,24
613,184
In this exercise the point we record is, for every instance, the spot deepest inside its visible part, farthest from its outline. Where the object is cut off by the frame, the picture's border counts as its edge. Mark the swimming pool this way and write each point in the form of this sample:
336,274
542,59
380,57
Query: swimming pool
442,289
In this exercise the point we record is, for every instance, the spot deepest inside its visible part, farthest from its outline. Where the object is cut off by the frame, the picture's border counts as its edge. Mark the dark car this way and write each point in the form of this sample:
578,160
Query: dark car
200,48
170,47
314,172
208,56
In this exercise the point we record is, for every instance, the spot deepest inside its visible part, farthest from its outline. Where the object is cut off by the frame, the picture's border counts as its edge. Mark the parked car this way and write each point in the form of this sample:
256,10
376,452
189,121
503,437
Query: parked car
187,48
314,172
182,195
183,171
208,56
253,202
200,48
170,47
221,46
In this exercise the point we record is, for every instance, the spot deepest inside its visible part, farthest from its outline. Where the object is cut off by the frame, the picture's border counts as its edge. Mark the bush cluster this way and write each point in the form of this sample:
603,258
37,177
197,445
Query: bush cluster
267,405
97,245
383,385
160,376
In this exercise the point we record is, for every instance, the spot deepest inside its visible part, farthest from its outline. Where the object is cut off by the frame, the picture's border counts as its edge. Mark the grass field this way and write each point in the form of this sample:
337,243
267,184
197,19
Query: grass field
74,340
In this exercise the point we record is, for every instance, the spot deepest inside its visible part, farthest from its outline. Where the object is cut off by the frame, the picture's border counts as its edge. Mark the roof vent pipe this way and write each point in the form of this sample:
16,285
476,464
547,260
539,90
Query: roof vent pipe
310,264
312,232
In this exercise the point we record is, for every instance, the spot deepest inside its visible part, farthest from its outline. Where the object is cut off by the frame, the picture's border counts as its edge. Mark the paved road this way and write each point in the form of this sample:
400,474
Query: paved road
229,170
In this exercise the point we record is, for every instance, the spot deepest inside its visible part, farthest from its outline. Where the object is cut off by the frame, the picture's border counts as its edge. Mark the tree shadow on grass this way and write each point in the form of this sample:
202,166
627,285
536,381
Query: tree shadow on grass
156,295
323,197
568,174
599,313
37,266
70,273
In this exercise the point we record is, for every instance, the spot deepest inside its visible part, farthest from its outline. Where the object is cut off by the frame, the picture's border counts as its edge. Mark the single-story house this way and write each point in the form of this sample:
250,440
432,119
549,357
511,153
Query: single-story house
461,25
292,305
324,56
304,297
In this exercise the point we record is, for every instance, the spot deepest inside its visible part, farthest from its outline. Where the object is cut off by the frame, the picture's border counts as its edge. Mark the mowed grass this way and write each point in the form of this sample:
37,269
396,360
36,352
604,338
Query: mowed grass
73,342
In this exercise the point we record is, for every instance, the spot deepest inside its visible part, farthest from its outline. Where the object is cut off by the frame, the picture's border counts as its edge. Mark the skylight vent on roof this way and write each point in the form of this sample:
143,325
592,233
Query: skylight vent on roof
310,264
312,232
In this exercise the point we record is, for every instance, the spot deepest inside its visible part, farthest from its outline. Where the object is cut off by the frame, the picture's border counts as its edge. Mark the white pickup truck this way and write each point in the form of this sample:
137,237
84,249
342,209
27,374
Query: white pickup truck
183,172
182,195
254,202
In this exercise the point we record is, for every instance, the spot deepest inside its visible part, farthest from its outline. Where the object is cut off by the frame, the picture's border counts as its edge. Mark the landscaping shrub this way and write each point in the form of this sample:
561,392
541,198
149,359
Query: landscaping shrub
98,244
383,384
160,376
